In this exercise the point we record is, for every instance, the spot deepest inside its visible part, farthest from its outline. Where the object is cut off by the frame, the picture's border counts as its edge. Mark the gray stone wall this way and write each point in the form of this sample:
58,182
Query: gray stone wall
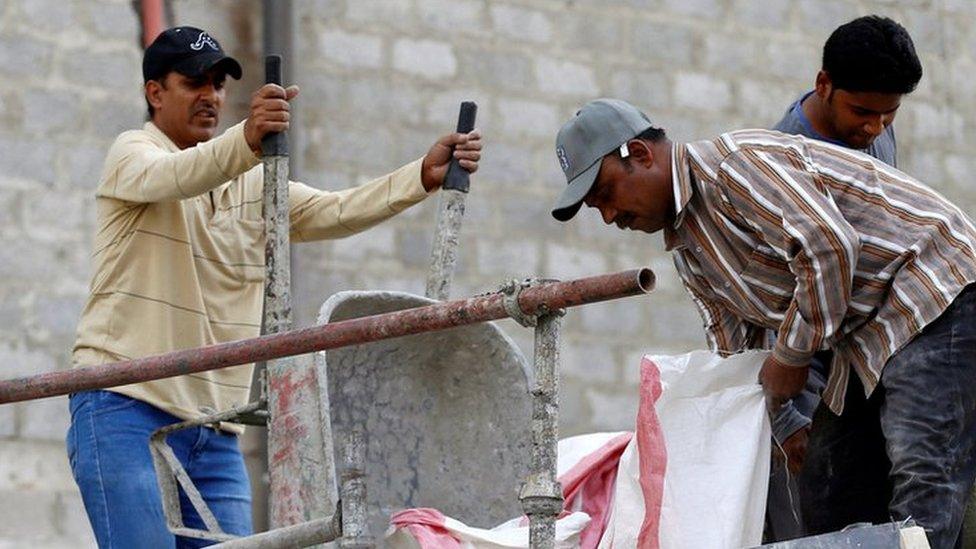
381,79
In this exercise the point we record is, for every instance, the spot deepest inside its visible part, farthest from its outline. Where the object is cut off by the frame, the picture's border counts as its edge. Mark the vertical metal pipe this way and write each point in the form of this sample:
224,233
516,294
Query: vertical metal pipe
450,213
153,21
541,495
355,516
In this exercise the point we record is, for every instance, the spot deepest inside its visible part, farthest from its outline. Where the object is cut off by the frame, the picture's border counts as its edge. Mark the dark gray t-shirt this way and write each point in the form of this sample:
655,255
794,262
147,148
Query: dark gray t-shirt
795,122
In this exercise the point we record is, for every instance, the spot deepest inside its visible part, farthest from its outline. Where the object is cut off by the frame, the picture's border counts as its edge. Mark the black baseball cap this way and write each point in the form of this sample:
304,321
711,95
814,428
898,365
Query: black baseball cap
188,51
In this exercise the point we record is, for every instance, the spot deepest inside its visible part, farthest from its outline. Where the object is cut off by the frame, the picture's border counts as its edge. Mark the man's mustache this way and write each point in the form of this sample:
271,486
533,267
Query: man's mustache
208,110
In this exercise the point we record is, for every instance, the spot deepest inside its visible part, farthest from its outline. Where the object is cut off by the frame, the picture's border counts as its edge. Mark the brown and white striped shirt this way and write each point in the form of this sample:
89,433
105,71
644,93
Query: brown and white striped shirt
830,247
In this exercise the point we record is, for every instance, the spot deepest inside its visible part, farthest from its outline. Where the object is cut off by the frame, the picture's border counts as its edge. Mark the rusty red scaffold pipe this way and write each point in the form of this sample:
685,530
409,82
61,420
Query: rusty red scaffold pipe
440,316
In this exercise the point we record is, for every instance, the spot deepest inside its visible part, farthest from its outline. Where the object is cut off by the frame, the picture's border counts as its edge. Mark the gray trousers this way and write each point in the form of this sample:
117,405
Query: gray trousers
908,451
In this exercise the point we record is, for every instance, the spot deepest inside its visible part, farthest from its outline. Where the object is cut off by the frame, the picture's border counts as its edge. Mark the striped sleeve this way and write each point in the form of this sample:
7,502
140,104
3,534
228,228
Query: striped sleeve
725,332
775,193
318,215
138,169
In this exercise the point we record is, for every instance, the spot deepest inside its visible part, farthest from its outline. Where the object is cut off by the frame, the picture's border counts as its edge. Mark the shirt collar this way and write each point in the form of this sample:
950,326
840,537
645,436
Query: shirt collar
681,181
167,142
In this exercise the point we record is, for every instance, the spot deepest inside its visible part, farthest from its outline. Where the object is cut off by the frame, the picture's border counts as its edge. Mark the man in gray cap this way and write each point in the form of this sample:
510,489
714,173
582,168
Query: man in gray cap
828,248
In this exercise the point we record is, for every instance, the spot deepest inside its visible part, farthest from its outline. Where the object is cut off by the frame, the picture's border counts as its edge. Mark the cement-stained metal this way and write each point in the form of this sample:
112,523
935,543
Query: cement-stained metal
541,495
446,414
429,318
445,247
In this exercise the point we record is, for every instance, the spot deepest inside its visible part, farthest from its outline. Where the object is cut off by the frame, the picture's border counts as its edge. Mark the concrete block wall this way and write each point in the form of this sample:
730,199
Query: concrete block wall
381,79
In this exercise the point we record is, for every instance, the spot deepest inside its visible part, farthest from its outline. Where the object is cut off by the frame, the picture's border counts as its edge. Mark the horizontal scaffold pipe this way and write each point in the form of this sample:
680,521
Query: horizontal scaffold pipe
440,316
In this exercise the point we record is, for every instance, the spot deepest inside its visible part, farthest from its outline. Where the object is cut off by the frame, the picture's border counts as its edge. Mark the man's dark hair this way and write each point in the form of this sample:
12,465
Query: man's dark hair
872,54
652,134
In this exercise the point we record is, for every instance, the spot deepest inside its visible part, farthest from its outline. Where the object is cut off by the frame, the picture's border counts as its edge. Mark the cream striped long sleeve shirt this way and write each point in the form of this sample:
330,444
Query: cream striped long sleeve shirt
179,255
830,247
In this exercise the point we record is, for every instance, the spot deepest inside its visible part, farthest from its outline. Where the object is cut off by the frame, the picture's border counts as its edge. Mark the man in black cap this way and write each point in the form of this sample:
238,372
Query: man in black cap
179,264
828,248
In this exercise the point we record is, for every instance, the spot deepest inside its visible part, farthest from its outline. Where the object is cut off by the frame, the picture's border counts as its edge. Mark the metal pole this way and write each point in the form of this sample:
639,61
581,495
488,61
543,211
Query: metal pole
299,535
355,529
284,464
541,495
450,213
439,316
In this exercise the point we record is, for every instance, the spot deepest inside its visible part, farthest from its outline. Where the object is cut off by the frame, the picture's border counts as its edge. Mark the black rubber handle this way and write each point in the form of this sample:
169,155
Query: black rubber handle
458,178
273,144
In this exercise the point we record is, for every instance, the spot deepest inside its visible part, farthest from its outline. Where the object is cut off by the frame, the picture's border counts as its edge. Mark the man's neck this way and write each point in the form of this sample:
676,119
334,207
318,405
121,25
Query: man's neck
813,109
171,135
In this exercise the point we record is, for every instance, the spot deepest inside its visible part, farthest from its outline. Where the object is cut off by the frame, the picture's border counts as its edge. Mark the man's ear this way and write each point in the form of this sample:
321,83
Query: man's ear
824,85
154,91
641,152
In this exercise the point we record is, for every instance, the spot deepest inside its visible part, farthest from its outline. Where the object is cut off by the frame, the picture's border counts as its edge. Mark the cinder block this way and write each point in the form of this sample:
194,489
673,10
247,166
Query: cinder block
28,515
26,158
702,92
495,70
591,36
522,24
520,118
113,19
586,361
413,247
565,77
820,17
45,419
459,17
350,145
8,421
57,315
103,70
700,9
50,15
514,258
381,13
83,163
380,100
650,39
19,361
508,164
615,318
613,410
72,521
427,58
648,90
110,117
34,466
795,61
568,262
352,49
378,242
48,112
770,15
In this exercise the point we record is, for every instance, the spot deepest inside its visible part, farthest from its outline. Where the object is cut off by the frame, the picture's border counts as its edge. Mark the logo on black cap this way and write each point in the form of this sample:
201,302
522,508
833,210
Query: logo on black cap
204,40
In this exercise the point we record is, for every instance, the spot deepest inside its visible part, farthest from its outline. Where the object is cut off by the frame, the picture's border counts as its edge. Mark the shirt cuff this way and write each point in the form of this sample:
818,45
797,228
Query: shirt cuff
408,187
788,421
791,357
232,149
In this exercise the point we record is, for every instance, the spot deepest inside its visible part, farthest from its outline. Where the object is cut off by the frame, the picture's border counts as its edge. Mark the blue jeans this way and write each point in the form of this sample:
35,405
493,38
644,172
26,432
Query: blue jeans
908,451
108,449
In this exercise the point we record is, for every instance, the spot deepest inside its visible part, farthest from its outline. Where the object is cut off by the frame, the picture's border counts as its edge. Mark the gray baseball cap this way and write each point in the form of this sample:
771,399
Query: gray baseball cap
600,127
